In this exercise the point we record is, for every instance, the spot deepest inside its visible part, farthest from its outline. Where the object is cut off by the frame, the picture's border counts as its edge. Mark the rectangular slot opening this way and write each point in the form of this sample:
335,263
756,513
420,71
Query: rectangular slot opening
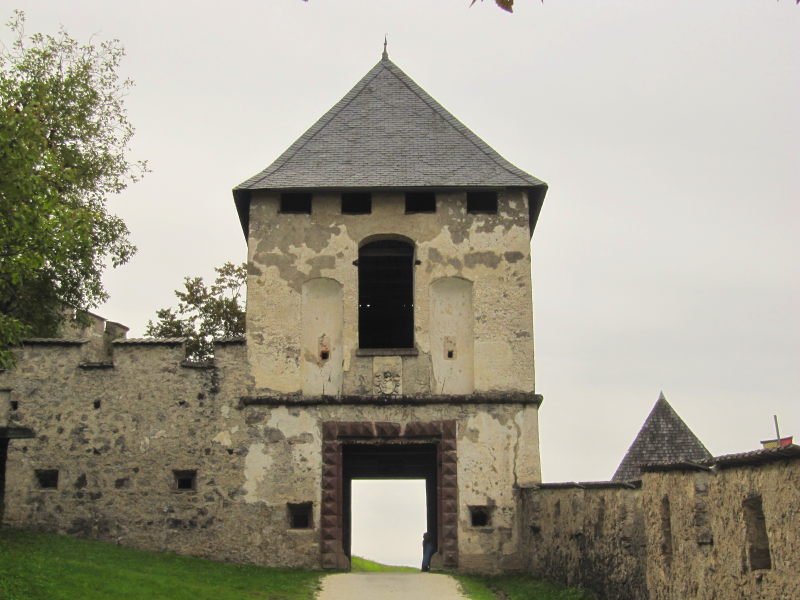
296,203
480,516
356,203
300,515
420,202
47,479
482,203
185,481
666,530
757,538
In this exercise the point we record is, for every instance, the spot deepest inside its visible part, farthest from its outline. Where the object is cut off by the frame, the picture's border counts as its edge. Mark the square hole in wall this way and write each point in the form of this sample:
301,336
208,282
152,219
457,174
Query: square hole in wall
480,516
296,203
420,202
47,479
185,481
356,203
96,404
14,405
300,515
482,202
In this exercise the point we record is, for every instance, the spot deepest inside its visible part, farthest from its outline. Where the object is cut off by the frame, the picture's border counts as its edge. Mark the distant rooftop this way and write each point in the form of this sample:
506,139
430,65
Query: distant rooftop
388,133
663,439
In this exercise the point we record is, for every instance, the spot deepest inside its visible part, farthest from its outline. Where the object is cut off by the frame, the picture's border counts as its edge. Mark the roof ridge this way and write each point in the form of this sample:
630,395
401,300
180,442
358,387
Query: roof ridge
453,121
317,127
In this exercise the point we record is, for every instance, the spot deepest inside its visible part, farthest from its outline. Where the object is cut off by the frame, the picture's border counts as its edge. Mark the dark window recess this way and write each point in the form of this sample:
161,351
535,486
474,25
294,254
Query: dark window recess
47,479
480,516
96,404
296,204
185,480
386,295
300,516
666,530
757,538
356,203
14,405
420,202
482,202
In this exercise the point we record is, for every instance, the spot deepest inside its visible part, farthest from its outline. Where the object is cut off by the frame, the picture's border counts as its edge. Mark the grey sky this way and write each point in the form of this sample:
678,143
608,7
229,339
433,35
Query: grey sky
665,256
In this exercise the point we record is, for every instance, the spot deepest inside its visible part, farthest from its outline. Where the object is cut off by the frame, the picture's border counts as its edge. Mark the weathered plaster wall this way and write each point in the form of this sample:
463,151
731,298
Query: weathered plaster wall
322,356
590,535
707,556
117,432
490,251
452,337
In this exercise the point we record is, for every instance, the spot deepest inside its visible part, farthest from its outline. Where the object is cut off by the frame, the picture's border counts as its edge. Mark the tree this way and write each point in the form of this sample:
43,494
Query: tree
204,312
64,137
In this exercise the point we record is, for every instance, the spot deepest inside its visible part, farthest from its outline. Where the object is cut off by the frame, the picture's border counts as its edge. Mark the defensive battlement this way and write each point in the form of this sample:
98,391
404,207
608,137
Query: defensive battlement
119,353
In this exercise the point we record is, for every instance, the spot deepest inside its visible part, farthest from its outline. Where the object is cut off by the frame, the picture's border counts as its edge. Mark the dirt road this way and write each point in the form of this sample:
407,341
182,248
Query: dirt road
389,586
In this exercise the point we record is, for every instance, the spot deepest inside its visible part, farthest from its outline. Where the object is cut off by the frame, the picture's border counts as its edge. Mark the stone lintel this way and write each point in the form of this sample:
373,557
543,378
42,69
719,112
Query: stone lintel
15,433
96,365
298,400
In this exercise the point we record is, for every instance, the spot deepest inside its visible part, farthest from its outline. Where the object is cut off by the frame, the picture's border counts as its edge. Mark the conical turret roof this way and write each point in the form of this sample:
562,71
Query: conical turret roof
664,438
387,132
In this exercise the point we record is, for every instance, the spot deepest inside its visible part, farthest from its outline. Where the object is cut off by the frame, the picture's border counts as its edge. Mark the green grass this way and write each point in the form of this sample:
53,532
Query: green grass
362,565
516,587
36,566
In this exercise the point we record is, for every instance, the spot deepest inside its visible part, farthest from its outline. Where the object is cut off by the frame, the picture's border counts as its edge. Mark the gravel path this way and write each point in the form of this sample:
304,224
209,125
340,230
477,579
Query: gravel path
389,586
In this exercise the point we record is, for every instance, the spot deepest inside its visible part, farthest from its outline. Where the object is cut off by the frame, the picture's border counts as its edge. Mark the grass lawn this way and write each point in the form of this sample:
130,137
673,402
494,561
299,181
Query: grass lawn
39,566
363,565
35,566
516,587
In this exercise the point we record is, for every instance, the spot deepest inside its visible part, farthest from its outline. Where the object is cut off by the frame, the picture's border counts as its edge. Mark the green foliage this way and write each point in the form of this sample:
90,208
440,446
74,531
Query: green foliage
204,312
516,587
36,566
363,565
64,136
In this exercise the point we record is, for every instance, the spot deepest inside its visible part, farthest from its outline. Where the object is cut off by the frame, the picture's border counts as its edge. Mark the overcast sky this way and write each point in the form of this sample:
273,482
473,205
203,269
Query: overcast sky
666,255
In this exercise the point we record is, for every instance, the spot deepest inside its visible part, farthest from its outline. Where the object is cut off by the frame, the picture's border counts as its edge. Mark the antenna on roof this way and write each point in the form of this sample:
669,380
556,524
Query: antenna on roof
385,41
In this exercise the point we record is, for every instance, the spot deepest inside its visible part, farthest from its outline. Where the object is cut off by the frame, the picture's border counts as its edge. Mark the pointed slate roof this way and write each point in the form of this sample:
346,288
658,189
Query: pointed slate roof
664,438
385,133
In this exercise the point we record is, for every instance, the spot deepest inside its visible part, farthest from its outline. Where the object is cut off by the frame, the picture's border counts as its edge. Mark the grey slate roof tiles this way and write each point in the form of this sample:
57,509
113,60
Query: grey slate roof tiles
387,132
664,438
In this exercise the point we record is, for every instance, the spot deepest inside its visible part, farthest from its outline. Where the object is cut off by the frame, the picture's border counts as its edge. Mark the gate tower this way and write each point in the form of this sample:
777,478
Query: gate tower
389,303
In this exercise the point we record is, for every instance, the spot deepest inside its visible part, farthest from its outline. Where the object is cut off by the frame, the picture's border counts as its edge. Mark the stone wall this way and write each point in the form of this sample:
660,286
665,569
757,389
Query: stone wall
587,534
127,435
703,529
725,530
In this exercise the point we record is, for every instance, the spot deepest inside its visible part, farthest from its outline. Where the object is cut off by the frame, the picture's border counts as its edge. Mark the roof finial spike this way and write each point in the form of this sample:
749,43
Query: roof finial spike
385,42
661,395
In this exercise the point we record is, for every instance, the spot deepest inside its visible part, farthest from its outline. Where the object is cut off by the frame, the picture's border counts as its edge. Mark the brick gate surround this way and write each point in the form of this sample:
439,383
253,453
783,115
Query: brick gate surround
336,433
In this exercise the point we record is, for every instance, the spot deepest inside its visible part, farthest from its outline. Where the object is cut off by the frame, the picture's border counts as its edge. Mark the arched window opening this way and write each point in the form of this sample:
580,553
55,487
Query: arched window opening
386,295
